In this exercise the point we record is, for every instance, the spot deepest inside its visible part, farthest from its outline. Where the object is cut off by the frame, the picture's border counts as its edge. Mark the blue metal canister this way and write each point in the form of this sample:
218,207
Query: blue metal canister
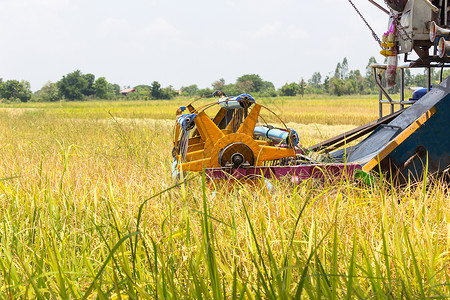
241,101
277,135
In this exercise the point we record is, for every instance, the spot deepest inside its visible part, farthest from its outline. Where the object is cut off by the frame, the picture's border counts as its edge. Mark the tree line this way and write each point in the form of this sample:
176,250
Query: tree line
78,86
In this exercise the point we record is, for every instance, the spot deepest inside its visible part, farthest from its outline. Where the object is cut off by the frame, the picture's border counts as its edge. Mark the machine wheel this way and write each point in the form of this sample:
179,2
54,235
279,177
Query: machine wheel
236,155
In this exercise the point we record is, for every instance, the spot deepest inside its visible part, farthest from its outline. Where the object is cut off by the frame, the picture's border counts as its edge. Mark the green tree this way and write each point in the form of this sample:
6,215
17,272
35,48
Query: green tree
230,89
326,84
101,88
143,92
190,90
358,81
336,86
253,82
338,71
301,87
167,92
14,90
420,80
290,89
315,80
219,84
408,77
143,87
48,93
344,69
269,92
267,85
206,92
156,90
72,85
370,81
114,89
89,90
245,87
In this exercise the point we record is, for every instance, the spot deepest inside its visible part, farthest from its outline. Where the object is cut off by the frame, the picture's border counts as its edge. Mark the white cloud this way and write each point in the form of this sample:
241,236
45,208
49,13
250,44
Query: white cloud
260,6
267,30
59,36
271,30
33,5
293,32
112,27
50,3
34,21
160,27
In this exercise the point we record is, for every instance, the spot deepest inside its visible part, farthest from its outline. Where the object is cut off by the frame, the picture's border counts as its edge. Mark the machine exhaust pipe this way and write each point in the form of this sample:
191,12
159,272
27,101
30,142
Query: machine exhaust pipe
436,31
443,48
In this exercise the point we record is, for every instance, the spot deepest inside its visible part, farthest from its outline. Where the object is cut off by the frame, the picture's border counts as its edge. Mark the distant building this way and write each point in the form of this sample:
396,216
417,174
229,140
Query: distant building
127,91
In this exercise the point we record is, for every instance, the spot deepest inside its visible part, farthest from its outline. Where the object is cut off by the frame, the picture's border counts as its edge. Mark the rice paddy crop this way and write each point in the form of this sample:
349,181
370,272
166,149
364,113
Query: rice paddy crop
89,209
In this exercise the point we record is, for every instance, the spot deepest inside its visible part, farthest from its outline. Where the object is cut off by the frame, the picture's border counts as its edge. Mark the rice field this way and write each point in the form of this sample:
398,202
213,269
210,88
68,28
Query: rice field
89,209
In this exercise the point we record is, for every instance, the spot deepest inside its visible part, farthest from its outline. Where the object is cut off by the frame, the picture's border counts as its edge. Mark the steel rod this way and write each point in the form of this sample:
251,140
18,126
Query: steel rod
382,90
379,6
445,8
402,88
380,103
396,102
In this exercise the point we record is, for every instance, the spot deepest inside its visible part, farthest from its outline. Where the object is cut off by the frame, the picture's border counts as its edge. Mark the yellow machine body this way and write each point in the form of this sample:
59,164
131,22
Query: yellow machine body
212,147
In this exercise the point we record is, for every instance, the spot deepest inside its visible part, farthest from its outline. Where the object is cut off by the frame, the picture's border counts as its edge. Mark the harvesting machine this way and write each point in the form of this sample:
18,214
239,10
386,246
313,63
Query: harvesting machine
236,141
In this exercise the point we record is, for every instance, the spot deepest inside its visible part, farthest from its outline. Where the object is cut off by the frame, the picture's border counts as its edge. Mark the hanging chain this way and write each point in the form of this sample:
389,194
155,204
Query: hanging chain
401,29
373,32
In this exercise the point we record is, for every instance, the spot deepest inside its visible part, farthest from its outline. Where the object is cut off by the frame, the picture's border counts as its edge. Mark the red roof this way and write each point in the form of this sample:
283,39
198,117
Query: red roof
126,91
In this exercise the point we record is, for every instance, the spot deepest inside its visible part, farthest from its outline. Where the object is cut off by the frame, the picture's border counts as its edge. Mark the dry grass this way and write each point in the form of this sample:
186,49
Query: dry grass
82,217
328,111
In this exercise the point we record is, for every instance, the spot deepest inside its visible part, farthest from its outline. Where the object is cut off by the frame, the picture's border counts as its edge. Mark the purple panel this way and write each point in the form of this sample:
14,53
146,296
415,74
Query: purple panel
297,173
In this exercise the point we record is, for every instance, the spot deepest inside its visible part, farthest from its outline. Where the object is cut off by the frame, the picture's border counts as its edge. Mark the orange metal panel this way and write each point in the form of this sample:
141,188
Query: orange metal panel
248,126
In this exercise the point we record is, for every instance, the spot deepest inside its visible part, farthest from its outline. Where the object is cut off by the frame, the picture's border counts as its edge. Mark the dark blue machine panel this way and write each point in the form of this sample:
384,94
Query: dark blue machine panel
431,140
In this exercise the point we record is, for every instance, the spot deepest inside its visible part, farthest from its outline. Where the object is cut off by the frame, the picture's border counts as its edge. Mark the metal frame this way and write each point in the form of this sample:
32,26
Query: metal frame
383,91
376,68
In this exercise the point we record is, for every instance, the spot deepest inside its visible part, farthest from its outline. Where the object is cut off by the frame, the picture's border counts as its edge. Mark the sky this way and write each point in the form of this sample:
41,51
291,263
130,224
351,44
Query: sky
180,43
